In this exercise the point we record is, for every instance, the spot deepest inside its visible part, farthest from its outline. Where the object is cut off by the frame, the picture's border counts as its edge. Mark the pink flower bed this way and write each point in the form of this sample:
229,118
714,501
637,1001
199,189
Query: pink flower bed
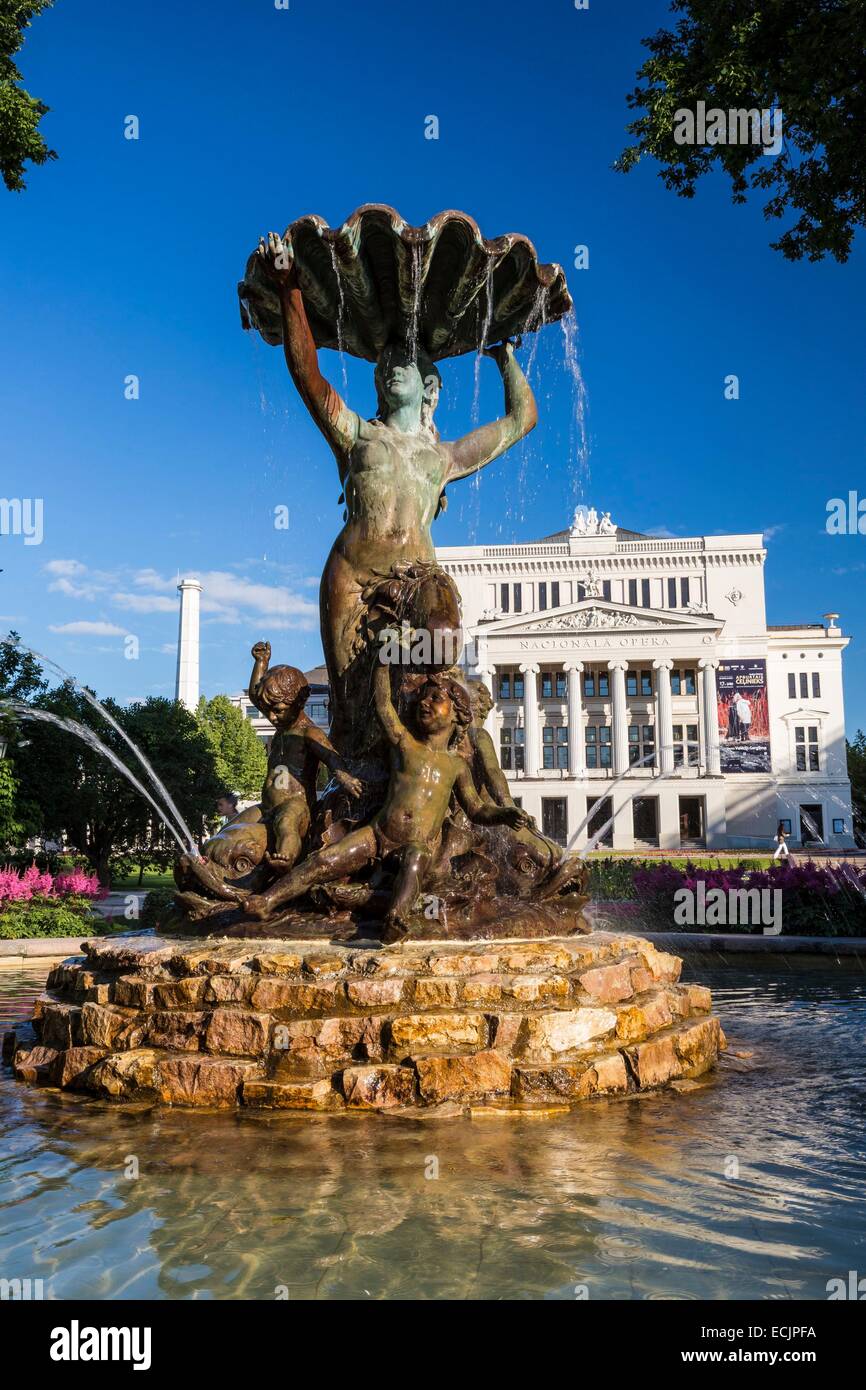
35,883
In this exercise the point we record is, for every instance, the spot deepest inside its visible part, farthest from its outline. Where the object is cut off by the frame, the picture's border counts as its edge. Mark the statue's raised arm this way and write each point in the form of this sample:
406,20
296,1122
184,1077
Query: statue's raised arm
483,445
337,422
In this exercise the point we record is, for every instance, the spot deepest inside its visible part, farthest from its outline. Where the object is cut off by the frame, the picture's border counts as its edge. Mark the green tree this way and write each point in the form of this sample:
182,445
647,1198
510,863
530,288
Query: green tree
20,679
805,60
82,797
241,760
20,113
857,774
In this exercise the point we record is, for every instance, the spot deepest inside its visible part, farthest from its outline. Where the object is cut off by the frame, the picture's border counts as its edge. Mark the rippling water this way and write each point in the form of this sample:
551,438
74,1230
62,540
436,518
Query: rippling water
632,1199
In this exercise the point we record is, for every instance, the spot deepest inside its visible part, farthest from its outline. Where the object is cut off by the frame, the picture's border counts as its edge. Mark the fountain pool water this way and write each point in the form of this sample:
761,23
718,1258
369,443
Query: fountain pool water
626,1199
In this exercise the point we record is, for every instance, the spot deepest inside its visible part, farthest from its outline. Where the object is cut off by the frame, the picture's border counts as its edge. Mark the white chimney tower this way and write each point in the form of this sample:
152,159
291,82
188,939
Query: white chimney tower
186,690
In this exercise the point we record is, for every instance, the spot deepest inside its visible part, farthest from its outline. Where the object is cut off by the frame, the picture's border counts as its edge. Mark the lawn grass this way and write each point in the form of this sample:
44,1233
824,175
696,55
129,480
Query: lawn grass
151,879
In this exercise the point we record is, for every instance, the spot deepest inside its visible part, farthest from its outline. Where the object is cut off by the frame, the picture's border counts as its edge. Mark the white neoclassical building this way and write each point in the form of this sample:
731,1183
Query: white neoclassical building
640,692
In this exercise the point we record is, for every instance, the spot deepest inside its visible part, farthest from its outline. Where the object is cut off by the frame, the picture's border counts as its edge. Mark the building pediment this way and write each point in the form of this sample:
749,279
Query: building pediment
595,615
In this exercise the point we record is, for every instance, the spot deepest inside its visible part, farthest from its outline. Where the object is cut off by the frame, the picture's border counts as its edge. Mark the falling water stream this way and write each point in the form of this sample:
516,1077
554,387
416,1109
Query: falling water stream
71,726
109,718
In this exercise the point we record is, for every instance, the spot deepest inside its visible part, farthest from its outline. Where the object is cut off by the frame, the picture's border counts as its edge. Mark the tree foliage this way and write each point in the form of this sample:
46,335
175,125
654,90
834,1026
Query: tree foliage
806,60
857,774
20,113
77,795
241,760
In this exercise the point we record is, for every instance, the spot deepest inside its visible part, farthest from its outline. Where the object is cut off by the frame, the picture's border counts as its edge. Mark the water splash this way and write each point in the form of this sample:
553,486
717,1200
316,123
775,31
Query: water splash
414,323
579,439
341,315
109,718
71,726
482,343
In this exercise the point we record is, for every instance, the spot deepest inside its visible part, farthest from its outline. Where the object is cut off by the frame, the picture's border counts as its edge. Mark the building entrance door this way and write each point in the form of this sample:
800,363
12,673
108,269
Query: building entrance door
645,817
599,809
692,834
554,819
812,825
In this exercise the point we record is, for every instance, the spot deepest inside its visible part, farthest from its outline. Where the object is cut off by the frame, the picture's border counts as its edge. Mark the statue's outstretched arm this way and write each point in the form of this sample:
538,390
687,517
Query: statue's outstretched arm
483,445
481,811
337,422
392,724
497,782
261,654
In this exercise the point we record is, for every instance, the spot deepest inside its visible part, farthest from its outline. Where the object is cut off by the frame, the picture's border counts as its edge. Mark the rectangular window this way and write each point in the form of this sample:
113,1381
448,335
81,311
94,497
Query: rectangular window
684,593
604,683
561,685
581,592
518,598
518,686
631,682
519,749
804,686
801,757
792,686
838,826
682,682
786,826
632,592
694,751
816,685
646,683
672,593
605,589
546,685
814,764
547,746
505,749
562,747
604,748
591,748
554,594
505,687
645,593
554,819
589,684
503,597
542,596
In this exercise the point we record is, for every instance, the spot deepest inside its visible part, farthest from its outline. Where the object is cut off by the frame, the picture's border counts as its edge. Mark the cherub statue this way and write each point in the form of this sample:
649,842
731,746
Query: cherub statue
542,860
606,526
425,768
297,748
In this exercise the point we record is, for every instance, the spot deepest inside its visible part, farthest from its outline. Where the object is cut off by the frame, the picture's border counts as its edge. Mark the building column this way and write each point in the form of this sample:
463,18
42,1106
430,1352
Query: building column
664,716
575,718
620,716
530,719
186,684
710,704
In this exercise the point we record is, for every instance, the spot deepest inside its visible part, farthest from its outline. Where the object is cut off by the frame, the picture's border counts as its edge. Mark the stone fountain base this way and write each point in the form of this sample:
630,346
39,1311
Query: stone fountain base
310,1027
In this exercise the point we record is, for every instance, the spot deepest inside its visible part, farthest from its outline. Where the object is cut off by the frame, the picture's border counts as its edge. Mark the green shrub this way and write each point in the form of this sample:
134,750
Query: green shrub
158,908
47,919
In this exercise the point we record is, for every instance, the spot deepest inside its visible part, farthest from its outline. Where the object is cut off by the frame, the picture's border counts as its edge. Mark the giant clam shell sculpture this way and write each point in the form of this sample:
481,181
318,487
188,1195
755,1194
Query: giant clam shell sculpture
442,287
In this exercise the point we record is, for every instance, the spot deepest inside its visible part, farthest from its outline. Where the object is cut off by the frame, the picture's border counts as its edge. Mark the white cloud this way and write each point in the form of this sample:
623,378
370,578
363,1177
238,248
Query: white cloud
145,603
226,598
83,628
660,533
770,532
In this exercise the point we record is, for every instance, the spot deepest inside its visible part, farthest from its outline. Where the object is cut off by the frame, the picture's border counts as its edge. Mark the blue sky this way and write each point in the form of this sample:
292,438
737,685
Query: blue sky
123,256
